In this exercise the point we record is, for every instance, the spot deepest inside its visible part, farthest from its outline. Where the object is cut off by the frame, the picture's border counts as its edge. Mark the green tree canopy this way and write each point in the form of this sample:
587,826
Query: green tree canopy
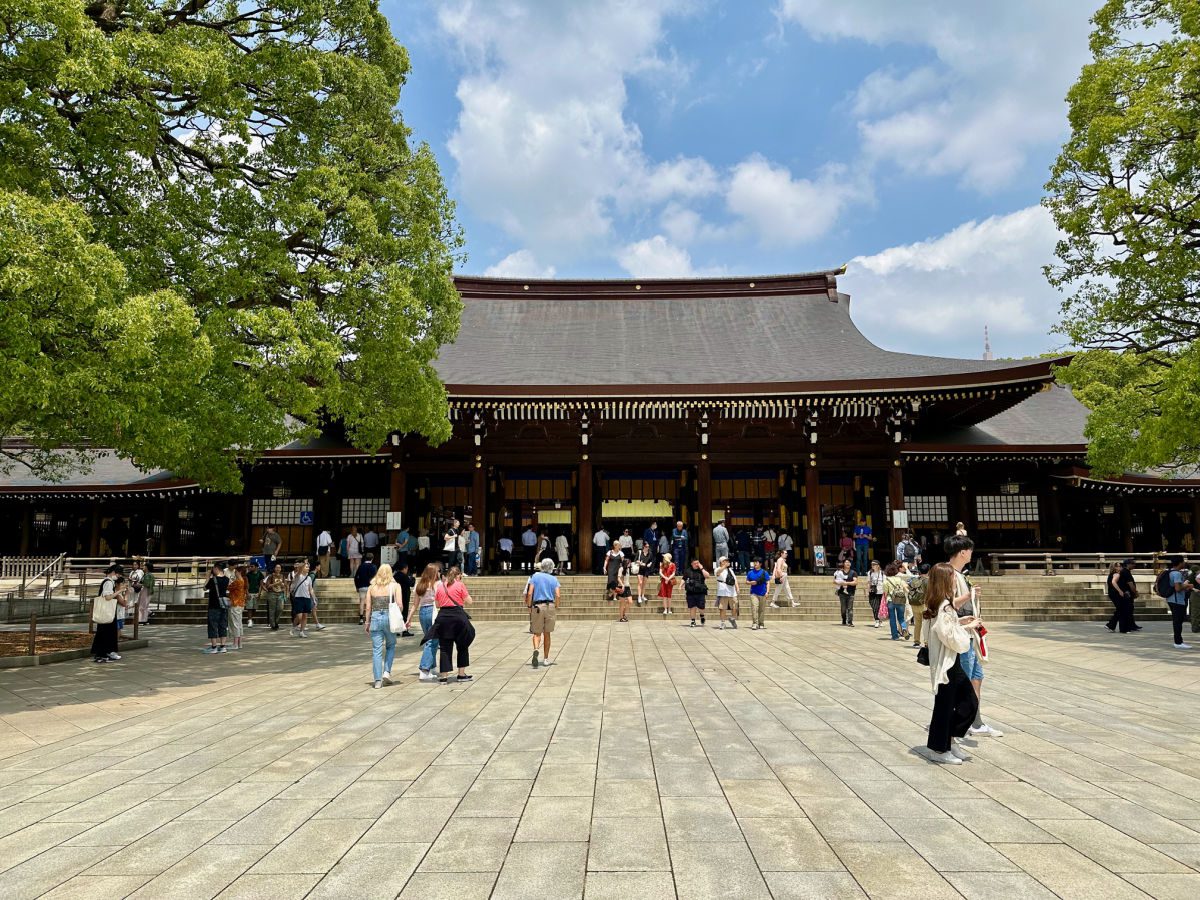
1125,192
213,224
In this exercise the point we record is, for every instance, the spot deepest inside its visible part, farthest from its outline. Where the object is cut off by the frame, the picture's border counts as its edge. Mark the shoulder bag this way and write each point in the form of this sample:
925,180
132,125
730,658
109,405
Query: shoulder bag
104,609
395,614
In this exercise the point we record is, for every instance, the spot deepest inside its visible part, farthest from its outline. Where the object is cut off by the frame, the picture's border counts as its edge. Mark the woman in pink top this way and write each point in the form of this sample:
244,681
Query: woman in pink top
453,628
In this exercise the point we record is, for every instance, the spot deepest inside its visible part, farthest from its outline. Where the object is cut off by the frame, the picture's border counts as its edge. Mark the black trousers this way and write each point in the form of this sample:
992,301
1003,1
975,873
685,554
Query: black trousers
1122,616
454,632
954,709
1178,617
104,641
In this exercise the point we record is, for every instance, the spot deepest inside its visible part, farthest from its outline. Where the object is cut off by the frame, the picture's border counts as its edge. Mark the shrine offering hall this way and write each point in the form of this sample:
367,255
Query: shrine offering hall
577,404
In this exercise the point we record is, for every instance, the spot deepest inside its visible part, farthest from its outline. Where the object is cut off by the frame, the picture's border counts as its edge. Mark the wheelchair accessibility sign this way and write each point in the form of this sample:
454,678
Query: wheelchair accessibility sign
306,517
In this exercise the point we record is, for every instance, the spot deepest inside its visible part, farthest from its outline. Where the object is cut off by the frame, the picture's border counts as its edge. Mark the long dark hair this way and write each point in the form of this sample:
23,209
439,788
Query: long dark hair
941,588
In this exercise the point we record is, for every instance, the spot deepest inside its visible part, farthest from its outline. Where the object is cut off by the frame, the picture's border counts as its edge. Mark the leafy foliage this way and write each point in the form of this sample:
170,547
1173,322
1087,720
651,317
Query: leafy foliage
1125,191
213,225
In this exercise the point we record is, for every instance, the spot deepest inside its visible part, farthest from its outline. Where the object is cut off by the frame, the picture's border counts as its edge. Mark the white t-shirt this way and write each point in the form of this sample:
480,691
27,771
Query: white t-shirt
324,539
600,538
626,541
560,547
423,542
451,542
726,583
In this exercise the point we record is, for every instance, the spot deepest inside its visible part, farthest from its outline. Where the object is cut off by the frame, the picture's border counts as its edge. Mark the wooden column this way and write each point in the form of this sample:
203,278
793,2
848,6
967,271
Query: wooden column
94,544
167,540
1126,524
479,499
584,526
26,529
1054,539
896,499
398,487
1196,524
812,499
704,501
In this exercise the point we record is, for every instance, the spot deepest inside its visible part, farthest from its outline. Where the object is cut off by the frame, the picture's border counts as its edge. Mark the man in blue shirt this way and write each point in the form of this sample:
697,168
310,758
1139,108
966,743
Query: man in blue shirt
650,537
679,544
757,578
863,537
1178,601
472,559
542,596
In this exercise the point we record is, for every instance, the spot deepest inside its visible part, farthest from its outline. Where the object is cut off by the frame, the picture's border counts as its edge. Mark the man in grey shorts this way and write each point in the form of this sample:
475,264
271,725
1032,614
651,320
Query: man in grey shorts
542,595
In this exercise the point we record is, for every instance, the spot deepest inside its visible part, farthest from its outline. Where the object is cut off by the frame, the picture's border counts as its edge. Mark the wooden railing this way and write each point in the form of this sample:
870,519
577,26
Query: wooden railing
1053,563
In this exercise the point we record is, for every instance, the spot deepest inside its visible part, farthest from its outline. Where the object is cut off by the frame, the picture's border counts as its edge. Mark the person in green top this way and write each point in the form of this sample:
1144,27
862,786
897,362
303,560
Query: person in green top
254,580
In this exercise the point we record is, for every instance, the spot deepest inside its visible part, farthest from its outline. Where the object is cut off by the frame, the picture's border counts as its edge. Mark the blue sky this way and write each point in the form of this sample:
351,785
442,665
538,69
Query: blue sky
616,138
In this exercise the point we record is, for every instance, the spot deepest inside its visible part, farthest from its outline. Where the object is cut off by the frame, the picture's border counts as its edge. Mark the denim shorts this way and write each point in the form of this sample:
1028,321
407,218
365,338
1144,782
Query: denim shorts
971,664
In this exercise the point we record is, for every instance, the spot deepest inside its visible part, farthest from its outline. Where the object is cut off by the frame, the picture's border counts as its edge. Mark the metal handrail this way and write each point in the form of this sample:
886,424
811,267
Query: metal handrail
51,568
1051,563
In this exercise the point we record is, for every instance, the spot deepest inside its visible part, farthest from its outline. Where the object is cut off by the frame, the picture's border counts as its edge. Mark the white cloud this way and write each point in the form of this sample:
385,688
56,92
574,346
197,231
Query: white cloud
935,296
655,257
996,92
784,210
521,264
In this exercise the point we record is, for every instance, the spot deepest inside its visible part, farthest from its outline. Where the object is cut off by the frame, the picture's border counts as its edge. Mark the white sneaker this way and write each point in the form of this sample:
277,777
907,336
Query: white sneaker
774,606
250,624
295,632
114,656
947,758
876,624
1177,647
426,676
721,627
985,730
794,604
320,627
959,752
303,633
387,677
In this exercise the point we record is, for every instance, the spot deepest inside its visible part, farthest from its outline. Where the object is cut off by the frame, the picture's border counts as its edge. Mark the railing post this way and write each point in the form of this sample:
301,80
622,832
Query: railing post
33,634
994,561
1049,570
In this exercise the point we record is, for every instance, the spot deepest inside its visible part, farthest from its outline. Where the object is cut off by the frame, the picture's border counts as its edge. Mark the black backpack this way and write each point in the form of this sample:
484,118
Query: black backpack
696,586
1163,586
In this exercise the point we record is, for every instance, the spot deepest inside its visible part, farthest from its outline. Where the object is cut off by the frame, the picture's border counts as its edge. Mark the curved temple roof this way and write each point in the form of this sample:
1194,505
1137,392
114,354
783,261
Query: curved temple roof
775,334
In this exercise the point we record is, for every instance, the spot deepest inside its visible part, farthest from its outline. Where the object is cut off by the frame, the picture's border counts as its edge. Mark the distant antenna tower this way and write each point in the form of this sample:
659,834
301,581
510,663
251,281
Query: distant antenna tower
987,344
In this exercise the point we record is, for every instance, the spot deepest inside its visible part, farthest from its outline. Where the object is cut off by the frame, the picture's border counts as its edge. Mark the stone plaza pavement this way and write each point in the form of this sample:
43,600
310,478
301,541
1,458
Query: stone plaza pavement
651,761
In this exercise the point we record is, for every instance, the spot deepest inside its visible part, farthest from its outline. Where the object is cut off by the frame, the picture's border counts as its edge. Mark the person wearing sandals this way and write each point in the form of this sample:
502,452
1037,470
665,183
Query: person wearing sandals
542,596
779,574
453,627
954,701
727,592
645,568
666,582
426,591
381,593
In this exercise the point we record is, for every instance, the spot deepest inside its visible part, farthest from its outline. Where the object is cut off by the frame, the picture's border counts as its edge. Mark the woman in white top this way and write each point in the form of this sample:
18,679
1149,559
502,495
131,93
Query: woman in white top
727,591
354,549
381,593
954,702
780,576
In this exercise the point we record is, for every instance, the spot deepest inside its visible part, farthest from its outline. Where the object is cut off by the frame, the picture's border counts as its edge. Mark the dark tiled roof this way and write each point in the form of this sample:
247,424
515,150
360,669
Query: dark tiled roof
106,470
694,340
1049,418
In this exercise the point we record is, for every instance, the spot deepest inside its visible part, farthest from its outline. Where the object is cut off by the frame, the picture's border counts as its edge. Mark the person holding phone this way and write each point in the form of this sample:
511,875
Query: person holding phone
104,641
216,589
959,550
955,704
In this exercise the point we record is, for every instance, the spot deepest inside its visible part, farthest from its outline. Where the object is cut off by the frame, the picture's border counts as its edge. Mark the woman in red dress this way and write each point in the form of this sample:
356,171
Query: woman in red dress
666,582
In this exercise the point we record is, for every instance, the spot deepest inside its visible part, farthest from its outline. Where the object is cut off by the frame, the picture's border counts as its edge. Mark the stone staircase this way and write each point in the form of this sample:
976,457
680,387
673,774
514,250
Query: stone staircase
1009,598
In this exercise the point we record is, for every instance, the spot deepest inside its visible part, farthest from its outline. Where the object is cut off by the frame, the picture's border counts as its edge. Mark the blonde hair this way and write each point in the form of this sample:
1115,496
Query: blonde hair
668,557
383,577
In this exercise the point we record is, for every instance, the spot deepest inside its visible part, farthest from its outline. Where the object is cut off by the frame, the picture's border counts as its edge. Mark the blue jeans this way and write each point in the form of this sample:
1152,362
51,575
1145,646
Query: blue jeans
971,665
381,635
861,561
896,619
743,559
429,653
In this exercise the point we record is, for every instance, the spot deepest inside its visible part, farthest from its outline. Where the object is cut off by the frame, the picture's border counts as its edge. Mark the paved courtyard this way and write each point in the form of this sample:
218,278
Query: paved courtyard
651,761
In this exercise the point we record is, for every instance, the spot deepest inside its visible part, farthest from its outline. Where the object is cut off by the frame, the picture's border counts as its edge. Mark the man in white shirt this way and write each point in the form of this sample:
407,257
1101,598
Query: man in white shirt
506,549
371,543
324,543
529,541
600,542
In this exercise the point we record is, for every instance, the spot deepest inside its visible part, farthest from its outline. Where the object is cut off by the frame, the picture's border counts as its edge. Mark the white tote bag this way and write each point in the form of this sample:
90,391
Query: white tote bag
395,615
104,609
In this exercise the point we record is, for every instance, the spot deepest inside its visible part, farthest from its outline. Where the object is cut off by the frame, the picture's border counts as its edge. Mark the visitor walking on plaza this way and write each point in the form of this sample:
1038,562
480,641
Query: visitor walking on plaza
679,543
139,596
406,582
453,627
624,592
302,599
845,580
909,551
542,596
275,589
864,537
254,580
916,599
643,568
271,542
959,549
354,549
324,551
237,604
720,539
695,589
757,578
1121,591
562,550
613,561
114,591
955,704
875,578
362,583
1177,599
380,595
895,593
426,591
779,575
600,545
666,582
727,592
216,589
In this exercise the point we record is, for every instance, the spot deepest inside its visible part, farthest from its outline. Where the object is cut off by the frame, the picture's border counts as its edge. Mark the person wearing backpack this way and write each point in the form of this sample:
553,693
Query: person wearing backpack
895,589
1174,587
916,599
696,589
